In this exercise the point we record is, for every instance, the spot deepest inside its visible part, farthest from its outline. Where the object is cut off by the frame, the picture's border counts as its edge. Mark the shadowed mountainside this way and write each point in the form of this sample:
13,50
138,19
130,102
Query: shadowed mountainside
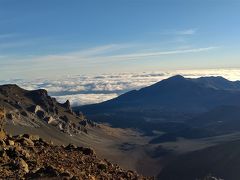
176,93
222,160
166,105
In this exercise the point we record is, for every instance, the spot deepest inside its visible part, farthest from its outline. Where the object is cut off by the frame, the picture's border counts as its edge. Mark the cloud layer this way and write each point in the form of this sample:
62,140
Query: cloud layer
94,89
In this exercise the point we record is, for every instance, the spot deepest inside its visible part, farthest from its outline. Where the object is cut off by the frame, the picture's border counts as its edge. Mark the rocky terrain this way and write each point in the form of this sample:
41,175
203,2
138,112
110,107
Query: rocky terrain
30,157
36,113
31,116
37,109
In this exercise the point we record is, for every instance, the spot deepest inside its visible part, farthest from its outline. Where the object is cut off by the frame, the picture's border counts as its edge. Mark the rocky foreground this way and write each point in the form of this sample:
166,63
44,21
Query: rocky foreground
30,157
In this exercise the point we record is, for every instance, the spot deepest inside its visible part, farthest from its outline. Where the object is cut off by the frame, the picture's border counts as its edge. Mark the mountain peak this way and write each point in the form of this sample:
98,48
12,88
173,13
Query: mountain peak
178,76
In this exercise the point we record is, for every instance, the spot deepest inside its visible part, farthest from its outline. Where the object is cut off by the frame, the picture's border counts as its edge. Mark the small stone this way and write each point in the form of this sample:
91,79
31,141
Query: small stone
70,147
48,171
23,165
2,143
25,141
31,137
10,143
2,134
88,151
102,166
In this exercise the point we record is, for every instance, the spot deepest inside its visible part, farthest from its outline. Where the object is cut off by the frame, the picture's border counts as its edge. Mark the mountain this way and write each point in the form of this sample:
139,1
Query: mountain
37,109
173,101
176,93
35,114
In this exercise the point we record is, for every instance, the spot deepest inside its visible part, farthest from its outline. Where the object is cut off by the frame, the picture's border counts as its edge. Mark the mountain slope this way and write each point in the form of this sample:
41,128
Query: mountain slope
222,161
37,109
36,113
168,103
219,83
30,157
220,120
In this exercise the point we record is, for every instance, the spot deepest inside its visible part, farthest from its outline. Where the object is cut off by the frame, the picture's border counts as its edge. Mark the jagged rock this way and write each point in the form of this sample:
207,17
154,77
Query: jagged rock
67,105
35,108
49,119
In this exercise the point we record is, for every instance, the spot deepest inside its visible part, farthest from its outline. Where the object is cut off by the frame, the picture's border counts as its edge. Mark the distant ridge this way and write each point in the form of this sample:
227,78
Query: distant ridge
176,92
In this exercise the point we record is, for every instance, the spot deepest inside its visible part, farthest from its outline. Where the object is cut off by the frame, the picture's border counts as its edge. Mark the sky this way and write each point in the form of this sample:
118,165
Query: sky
47,39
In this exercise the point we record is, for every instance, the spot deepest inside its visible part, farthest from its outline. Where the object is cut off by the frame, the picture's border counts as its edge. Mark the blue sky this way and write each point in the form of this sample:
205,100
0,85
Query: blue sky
48,38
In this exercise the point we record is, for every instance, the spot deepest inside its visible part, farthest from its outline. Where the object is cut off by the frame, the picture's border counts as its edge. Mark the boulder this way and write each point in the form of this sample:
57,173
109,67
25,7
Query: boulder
44,172
22,165
70,147
102,166
25,141
41,114
49,119
31,137
35,108
86,151
10,142
2,135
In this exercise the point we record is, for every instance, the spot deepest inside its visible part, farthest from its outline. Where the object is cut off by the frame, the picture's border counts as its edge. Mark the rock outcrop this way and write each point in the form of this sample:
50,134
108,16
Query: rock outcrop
37,109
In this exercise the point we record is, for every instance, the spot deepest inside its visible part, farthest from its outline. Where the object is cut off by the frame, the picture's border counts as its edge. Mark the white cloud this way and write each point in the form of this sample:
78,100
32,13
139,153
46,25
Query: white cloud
160,53
100,54
93,89
80,99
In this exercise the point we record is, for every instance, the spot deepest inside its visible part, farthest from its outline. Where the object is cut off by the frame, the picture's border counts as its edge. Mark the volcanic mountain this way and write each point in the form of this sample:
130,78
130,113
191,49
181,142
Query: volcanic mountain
176,93
30,114
35,109
175,99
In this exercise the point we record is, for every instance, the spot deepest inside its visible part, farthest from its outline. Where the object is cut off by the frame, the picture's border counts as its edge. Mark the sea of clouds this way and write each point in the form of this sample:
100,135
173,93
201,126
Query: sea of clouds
83,89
